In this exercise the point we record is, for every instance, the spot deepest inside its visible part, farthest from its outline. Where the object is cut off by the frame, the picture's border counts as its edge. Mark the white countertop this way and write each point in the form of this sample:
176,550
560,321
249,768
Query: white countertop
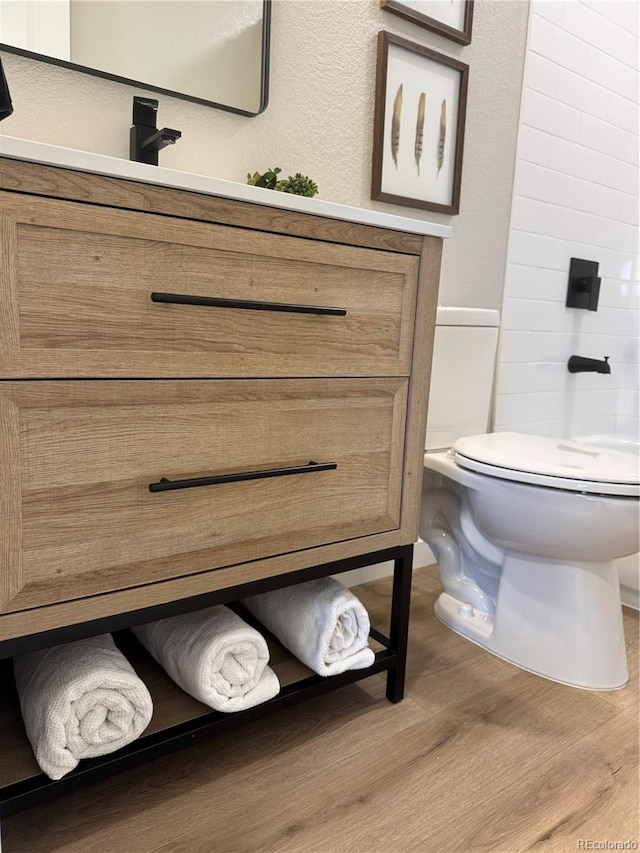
114,167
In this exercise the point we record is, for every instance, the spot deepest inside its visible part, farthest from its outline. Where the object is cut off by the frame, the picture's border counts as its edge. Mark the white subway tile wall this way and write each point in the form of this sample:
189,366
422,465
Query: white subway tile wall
575,195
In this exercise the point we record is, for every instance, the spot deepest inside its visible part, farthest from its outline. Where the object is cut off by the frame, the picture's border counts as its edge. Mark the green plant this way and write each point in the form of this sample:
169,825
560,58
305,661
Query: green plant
296,184
268,180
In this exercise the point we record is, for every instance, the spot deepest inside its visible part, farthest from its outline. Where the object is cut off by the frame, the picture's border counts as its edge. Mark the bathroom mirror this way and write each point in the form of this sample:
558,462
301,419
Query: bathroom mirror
213,52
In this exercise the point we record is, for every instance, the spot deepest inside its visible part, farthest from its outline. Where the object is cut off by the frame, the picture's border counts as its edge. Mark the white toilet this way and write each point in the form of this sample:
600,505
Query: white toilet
525,529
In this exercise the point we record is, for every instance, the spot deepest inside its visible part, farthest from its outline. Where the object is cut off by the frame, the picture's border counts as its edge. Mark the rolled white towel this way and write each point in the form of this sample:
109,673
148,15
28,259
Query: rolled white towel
321,622
80,700
214,656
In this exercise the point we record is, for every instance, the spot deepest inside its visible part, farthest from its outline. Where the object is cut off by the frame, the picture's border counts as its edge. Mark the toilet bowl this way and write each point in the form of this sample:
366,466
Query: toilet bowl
526,530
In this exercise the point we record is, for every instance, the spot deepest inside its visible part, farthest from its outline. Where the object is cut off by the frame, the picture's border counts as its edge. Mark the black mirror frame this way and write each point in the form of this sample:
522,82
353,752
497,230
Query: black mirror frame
139,84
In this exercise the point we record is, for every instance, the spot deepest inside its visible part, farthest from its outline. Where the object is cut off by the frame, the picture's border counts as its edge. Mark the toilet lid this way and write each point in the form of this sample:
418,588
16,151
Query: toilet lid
552,462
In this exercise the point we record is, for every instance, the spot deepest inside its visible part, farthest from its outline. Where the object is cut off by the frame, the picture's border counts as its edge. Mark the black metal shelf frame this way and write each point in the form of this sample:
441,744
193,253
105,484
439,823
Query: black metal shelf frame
392,660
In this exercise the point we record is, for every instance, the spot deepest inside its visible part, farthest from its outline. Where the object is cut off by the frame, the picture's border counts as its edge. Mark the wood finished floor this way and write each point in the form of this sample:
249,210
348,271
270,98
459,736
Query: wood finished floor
479,757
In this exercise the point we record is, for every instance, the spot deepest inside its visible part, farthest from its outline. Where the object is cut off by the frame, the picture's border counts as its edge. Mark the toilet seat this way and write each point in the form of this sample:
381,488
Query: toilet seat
556,463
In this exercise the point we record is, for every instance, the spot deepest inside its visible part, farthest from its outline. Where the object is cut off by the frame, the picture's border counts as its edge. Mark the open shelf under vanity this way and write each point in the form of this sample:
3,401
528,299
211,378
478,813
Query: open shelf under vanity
178,719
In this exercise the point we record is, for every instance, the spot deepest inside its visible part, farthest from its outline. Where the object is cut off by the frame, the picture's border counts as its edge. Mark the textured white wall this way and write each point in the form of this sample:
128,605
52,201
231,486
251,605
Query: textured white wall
320,121
575,195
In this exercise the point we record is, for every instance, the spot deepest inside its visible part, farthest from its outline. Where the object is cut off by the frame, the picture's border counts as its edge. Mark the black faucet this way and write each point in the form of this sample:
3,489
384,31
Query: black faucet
145,140
578,364
6,107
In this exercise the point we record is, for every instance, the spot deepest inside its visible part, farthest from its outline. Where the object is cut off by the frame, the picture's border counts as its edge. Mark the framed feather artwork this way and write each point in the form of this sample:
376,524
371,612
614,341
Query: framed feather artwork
418,135
450,18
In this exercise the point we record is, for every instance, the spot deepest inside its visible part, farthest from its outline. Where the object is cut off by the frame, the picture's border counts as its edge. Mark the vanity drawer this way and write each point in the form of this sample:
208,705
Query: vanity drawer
78,282
78,457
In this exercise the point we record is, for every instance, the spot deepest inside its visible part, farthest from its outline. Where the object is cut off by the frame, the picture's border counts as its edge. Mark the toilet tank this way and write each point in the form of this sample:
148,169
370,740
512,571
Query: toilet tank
464,357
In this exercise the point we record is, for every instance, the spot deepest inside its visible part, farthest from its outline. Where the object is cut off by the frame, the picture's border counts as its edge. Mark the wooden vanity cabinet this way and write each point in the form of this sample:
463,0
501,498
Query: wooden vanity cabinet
200,399
310,342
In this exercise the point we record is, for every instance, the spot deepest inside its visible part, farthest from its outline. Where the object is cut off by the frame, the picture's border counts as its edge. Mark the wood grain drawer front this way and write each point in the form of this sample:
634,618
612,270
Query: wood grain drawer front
78,457
77,283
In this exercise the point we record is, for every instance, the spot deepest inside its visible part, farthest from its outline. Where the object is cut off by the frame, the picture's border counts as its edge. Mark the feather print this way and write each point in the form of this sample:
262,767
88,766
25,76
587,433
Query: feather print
422,102
443,135
395,125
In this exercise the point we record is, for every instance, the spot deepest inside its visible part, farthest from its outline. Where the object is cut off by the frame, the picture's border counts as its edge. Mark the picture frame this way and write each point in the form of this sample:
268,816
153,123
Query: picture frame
418,129
450,18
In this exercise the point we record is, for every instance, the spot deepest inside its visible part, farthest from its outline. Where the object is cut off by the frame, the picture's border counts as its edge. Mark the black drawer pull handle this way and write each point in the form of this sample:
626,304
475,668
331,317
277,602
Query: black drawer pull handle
168,485
250,304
